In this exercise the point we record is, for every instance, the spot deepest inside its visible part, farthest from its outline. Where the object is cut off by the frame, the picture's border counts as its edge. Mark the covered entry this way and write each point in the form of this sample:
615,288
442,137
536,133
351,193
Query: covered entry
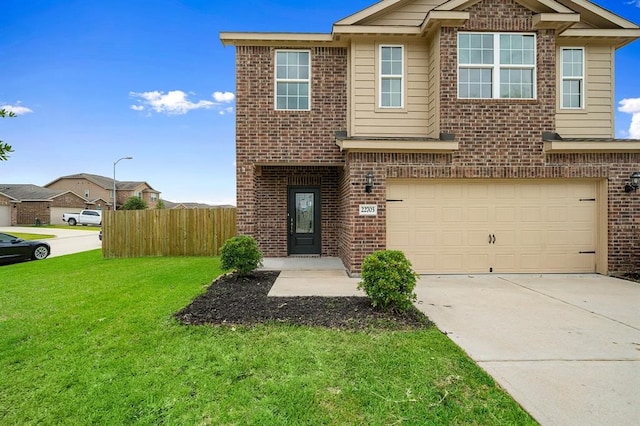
488,225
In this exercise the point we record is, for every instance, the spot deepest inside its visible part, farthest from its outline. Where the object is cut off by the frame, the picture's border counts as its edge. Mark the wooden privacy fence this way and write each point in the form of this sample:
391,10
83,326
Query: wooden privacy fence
178,232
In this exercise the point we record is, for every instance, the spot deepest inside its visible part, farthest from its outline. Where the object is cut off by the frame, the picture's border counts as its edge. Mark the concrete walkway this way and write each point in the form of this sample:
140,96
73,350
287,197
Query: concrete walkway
311,276
566,347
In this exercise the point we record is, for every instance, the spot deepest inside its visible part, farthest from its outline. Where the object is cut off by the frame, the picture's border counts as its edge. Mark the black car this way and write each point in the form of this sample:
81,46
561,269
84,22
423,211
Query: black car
13,249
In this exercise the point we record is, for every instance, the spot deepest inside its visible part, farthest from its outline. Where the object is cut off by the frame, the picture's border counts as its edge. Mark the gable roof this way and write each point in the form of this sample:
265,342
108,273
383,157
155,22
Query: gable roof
104,182
594,12
571,18
28,192
9,197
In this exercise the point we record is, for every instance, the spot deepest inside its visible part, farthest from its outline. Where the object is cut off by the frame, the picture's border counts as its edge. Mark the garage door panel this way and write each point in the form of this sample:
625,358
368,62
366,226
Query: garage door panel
539,226
399,239
453,214
478,238
532,238
478,214
425,239
425,214
530,214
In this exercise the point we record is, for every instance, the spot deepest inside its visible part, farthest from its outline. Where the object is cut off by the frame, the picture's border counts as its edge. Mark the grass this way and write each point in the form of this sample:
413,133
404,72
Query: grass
87,340
27,236
78,227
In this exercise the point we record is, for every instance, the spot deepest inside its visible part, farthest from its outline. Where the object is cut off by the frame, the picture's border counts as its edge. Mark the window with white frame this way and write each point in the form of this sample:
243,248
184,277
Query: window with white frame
293,76
496,65
86,193
154,198
572,72
391,76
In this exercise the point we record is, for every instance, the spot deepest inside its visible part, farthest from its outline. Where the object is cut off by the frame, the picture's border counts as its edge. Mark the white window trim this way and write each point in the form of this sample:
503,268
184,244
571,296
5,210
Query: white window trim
497,66
401,77
277,80
582,78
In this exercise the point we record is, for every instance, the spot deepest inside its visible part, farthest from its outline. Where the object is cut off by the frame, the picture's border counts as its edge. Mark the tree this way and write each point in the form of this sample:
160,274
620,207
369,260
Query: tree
160,205
134,203
5,148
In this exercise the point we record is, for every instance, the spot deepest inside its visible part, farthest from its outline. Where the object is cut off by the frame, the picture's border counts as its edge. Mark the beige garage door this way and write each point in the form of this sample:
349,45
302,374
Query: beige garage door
5,215
483,226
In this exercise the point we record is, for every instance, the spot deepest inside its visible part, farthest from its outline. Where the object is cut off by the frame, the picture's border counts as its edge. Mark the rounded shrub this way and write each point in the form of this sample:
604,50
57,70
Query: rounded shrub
240,254
389,280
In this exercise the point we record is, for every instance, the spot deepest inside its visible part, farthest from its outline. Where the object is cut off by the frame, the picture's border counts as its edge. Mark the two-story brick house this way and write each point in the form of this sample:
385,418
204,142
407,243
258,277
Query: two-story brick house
99,189
476,136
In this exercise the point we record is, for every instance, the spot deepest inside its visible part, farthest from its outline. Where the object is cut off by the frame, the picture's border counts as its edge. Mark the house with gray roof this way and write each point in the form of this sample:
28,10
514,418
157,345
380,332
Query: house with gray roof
99,189
26,204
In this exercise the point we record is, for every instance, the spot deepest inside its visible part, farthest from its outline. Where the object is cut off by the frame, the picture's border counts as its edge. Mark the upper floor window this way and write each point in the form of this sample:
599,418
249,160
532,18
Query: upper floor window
86,193
572,72
496,65
154,198
391,76
293,73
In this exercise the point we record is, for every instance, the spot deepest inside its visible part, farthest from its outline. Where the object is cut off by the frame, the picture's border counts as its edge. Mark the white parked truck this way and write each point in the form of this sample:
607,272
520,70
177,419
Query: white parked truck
85,217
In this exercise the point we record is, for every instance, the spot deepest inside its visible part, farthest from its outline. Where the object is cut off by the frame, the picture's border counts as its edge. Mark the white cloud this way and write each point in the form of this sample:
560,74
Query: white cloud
636,3
174,102
224,97
16,109
632,106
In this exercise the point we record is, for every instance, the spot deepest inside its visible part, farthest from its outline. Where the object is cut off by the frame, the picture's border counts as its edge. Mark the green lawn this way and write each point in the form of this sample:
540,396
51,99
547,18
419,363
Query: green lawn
26,236
87,340
65,226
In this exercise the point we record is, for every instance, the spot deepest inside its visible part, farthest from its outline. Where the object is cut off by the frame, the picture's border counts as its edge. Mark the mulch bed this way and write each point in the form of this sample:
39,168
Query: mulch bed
233,300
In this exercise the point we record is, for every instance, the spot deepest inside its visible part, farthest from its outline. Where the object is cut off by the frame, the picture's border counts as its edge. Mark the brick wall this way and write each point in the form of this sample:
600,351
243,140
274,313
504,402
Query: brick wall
271,229
498,131
266,136
29,211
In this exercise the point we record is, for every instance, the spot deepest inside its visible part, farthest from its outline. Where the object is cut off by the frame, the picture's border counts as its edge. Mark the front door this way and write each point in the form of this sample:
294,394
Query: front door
304,220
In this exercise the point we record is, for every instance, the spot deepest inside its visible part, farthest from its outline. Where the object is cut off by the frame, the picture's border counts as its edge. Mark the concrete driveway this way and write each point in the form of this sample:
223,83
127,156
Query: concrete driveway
67,241
566,347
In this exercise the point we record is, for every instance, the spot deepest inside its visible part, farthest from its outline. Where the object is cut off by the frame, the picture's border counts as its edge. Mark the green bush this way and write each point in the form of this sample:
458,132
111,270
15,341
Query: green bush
134,203
389,280
241,254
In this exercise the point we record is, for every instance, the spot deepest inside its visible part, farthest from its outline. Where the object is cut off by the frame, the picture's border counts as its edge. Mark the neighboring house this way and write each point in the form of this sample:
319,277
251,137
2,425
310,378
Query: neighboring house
34,203
8,210
476,136
99,189
190,205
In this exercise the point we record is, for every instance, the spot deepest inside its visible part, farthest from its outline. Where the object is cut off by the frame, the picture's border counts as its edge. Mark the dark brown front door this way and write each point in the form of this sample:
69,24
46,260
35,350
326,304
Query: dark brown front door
304,220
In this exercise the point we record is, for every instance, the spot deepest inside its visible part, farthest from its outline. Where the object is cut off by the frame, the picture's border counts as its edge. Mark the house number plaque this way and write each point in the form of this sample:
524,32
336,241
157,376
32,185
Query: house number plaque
368,210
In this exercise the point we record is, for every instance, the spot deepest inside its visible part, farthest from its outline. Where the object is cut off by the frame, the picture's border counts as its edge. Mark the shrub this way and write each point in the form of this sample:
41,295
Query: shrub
134,203
241,254
389,280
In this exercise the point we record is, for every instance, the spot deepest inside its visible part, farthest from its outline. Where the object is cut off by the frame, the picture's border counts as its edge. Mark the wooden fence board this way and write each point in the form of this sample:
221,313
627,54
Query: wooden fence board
161,232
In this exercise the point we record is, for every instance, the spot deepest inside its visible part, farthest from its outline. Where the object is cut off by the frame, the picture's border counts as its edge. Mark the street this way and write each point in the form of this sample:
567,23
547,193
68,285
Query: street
74,240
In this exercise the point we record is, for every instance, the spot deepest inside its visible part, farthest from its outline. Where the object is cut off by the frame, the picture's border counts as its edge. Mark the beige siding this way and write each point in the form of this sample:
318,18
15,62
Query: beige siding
597,118
411,14
78,186
367,118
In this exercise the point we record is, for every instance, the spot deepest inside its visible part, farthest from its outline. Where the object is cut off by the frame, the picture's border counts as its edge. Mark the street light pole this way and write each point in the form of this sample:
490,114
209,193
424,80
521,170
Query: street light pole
115,207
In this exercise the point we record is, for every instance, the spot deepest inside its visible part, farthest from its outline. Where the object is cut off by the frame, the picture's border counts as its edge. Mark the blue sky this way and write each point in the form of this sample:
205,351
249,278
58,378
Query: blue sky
93,81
